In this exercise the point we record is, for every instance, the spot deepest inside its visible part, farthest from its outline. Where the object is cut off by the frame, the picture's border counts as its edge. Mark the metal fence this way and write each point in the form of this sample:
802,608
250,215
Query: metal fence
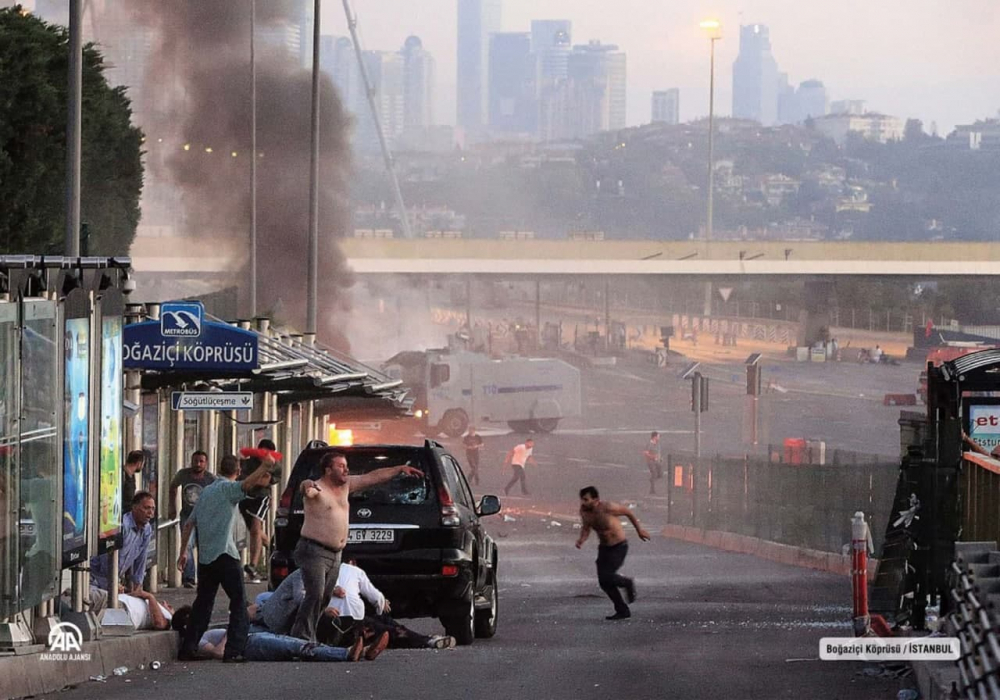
804,505
979,486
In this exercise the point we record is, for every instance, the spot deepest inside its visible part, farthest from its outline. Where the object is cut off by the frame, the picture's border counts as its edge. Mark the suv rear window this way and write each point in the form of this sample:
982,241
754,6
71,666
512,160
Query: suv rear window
402,490
360,460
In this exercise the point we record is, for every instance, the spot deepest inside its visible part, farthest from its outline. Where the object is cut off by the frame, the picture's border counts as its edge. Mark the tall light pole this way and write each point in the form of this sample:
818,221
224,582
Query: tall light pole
313,278
253,158
73,131
714,30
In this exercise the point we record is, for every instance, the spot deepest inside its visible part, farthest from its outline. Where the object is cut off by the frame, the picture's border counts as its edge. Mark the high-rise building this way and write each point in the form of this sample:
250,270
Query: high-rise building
855,107
811,100
595,98
477,20
551,43
337,60
666,106
513,104
385,72
418,85
755,77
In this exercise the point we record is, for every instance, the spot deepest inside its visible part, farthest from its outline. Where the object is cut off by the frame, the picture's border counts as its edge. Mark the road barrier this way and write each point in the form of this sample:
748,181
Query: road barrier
803,505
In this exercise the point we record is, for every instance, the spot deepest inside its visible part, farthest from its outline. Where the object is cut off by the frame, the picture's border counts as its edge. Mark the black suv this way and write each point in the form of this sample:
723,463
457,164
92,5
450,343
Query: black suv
419,539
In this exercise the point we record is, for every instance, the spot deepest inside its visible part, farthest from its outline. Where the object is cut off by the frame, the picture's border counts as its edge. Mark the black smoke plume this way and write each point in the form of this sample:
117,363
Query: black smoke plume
202,63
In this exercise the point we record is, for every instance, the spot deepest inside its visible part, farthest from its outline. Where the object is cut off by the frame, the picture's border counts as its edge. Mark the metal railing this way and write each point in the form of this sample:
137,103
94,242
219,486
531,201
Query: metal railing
979,486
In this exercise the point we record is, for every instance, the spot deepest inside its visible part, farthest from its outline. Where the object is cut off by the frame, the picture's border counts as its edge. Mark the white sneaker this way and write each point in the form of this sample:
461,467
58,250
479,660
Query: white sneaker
442,642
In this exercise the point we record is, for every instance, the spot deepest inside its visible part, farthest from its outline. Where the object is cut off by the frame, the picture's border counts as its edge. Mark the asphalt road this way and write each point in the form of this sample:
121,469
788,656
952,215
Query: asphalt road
708,624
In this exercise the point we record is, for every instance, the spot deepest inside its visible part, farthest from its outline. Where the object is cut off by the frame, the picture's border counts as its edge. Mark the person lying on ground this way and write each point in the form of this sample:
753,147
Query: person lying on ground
345,617
265,646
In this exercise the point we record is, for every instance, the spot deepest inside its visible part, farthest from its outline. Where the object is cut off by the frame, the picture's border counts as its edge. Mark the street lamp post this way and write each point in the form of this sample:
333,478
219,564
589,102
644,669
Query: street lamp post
253,159
714,30
313,270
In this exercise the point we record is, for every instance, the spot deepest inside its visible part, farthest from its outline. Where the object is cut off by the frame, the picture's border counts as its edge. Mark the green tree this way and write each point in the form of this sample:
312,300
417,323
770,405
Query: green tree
33,104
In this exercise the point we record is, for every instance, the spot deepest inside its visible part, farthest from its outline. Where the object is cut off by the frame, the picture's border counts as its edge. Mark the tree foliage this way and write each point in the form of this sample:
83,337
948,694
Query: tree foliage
33,113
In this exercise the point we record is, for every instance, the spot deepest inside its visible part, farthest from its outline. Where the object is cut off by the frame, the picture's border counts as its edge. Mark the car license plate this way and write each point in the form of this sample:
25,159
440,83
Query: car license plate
371,536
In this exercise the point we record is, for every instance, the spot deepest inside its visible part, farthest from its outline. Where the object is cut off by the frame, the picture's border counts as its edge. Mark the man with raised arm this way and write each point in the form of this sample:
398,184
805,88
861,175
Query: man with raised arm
218,560
604,519
324,532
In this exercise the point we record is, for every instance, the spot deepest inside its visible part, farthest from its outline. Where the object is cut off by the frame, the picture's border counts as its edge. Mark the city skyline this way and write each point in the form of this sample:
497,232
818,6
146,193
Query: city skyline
951,76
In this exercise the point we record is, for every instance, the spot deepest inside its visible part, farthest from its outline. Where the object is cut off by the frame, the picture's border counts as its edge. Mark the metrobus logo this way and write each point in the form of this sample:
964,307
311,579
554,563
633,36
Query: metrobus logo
181,319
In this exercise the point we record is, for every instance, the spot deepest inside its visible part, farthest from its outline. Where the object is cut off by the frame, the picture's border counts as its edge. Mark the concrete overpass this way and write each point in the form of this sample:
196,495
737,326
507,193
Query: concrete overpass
568,257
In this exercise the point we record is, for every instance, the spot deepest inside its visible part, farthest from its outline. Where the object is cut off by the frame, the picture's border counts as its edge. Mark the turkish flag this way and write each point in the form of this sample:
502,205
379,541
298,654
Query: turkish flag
929,328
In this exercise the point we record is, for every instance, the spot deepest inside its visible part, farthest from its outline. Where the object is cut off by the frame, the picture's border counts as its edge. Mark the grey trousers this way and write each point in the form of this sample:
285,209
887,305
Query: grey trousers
320,568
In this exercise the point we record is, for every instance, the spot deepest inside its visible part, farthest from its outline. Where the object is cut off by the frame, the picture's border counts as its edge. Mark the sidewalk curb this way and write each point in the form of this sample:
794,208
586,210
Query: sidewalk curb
27,675
802,557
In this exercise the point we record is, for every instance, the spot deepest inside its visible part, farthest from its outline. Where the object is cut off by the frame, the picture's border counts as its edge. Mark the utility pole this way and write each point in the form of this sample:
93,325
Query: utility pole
313,276
253,159
73,130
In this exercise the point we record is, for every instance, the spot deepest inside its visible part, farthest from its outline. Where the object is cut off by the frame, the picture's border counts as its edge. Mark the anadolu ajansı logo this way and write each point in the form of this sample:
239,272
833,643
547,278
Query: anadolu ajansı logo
66,644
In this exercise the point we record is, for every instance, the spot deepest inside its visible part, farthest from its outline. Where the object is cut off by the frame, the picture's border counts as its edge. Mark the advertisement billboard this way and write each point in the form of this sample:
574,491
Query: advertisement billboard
76,433
110,453
984,424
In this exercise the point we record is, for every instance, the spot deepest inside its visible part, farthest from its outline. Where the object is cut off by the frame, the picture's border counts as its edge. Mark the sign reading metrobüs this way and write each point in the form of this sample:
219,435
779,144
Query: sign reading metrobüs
184,340
984,425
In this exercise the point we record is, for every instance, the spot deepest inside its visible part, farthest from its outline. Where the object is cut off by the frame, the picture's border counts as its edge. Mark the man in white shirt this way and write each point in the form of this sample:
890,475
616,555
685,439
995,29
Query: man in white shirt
345,615
518,458
145,612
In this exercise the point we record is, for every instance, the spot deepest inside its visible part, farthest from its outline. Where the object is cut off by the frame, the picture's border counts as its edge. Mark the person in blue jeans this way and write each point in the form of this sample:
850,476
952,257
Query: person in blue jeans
265,646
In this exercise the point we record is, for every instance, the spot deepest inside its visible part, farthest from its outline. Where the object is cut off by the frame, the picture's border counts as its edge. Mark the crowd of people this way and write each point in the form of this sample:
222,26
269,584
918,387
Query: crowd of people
325,610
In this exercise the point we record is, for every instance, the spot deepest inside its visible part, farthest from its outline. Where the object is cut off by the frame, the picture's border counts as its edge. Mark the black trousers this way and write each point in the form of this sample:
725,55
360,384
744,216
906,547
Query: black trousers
519,475
609,560
472,458
226,572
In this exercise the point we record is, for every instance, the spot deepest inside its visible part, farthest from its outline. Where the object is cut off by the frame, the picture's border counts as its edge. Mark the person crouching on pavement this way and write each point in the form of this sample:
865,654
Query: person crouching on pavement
345,617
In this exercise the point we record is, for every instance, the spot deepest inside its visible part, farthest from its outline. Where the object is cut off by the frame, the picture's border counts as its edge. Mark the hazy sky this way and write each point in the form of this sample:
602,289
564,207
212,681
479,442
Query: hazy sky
931,59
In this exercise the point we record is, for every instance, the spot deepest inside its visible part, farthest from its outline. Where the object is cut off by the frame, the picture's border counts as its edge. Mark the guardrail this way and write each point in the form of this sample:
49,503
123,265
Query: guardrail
979,486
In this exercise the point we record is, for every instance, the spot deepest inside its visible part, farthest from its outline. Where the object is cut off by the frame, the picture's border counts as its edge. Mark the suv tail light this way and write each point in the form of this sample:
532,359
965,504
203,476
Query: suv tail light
284,508
449,513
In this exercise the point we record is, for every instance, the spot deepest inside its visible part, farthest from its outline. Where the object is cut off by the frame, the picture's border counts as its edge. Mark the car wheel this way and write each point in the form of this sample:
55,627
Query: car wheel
463,626
486,620
454,423
519,426
544,425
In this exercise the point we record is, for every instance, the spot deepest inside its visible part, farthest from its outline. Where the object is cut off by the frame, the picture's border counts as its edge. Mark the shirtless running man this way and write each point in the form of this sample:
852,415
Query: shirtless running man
603,518
324,532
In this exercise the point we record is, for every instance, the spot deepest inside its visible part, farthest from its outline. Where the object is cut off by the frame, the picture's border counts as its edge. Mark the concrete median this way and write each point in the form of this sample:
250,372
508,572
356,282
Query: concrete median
801,557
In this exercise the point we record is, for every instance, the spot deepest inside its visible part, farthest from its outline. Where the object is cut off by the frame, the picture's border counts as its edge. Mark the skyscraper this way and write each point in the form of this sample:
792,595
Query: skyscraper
666,106
338,61
477,19
513,104
550,43
385,71
755,77
418,85
595,99
811,100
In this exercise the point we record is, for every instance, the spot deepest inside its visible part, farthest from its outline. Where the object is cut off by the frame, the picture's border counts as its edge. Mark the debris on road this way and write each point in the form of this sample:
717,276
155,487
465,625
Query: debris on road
120,671
556,523
509,519
155,665
99,679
